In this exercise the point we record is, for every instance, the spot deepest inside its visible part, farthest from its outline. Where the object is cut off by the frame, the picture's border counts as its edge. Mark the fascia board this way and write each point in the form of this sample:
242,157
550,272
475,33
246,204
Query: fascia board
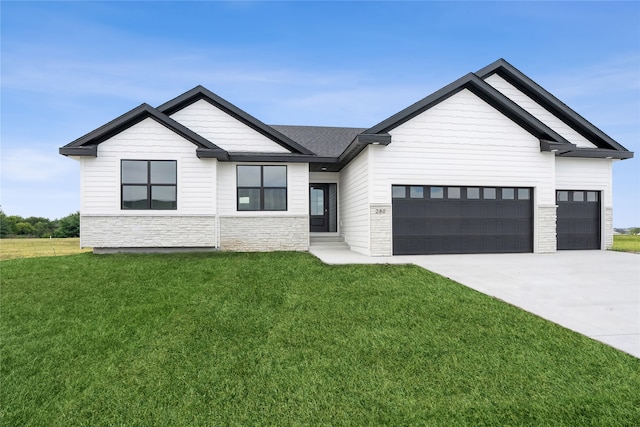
596,153
84,151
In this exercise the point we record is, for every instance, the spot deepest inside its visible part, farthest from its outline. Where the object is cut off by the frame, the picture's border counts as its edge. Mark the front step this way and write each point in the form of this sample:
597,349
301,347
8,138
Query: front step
328,242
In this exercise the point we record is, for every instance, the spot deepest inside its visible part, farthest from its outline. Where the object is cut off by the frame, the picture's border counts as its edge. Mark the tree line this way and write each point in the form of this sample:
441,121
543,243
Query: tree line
34,226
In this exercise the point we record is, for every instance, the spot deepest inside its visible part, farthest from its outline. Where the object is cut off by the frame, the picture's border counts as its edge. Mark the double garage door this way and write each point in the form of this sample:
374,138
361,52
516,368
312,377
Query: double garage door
459,220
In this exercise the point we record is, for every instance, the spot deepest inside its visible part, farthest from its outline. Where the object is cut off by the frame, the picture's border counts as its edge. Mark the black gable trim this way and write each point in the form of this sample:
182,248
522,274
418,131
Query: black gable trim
82,146
200,92
550,103
484,91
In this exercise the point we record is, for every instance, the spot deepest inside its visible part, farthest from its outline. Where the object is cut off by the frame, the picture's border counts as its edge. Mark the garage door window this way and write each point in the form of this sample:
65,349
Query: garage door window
399,192
436,192
508,194
416,192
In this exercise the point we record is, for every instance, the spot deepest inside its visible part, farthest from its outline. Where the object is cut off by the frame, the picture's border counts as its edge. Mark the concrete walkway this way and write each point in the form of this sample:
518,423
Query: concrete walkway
595,293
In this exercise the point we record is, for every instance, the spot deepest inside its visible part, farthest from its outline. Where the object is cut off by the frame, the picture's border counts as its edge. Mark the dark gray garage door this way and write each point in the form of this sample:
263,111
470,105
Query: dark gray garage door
578,219
461,220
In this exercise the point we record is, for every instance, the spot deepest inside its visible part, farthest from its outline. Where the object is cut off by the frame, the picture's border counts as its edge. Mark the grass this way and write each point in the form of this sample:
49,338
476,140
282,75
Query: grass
626,243
281,339
30,248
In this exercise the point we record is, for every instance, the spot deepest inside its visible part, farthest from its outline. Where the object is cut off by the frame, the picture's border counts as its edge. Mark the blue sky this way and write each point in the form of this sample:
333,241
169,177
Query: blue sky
69,67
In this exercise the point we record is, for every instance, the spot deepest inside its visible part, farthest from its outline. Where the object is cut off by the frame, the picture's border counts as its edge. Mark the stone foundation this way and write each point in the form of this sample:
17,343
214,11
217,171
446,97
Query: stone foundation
148,231
264,233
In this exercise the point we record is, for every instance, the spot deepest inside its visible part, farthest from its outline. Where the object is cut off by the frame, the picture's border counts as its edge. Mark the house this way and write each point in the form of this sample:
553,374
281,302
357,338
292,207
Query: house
490,163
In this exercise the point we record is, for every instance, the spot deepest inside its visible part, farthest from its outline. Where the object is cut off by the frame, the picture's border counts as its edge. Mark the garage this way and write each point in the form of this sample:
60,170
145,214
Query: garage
461,220
578,219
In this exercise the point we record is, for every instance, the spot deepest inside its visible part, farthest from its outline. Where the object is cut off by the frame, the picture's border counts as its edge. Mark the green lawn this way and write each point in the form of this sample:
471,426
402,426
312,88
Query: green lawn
281,339
626,243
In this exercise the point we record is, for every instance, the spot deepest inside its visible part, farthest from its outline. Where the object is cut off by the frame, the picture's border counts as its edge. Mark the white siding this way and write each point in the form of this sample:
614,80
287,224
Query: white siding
537,111
462,141
147,140
585,174
224,130
354,203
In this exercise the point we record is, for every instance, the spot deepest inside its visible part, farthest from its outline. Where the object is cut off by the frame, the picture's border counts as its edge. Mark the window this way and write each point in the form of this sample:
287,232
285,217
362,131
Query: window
562,196
473,193
523,194
262,188
578,196
489,193
453,192
436,192
399,191
592,196
149,184
508,194
416,192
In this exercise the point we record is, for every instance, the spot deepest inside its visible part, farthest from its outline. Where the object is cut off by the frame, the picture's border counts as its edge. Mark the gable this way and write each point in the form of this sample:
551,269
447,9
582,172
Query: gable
464,120
87,145
538,111
605,145
229,133
145,137
200,93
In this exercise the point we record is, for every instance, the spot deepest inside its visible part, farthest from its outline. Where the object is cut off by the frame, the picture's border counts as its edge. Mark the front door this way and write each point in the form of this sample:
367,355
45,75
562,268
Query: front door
319,207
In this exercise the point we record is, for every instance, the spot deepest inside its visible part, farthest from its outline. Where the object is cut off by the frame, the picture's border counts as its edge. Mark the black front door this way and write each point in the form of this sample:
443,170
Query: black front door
319,207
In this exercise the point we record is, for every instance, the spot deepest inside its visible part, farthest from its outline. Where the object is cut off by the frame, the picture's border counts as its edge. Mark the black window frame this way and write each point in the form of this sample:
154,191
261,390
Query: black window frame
149,186
262,188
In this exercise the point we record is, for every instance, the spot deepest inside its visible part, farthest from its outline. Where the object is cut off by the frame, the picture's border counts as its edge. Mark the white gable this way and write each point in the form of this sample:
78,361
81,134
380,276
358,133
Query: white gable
224,130
146,140
462,141
536,110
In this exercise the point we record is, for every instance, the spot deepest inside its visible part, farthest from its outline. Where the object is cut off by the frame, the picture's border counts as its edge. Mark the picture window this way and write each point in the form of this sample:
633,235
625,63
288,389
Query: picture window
148,184
262,188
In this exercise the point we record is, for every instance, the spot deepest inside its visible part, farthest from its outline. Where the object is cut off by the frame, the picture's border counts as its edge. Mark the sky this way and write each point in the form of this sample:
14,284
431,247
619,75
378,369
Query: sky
70,67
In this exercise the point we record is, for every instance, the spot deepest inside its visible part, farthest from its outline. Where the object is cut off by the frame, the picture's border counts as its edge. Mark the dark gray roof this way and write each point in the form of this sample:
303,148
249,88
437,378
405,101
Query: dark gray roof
325,141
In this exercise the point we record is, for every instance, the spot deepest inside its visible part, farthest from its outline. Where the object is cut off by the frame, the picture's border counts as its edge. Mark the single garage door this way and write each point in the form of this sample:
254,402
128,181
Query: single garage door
578,219
461,220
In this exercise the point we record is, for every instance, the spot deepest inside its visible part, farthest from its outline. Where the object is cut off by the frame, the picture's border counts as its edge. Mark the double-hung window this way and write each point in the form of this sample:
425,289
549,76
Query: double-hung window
149,184
262,188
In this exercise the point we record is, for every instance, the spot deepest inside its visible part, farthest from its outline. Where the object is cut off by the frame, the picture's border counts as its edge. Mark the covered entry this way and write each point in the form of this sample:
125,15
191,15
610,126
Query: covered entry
578,219
461,220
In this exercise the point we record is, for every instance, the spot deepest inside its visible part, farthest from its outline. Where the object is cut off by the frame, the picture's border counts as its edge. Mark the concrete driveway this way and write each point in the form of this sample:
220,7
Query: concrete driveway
595,293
